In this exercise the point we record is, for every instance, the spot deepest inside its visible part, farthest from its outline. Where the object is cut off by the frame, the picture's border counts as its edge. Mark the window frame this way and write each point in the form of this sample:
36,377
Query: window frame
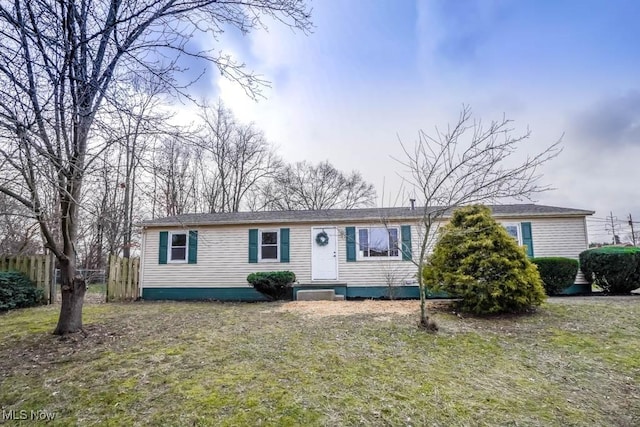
359,253
277,244
518,228
170,247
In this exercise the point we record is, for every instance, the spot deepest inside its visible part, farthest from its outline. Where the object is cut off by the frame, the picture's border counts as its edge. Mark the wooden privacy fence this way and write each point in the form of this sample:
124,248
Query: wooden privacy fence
122,284
39,268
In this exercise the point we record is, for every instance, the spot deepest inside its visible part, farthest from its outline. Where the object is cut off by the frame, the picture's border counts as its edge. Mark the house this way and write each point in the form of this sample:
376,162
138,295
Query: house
359,253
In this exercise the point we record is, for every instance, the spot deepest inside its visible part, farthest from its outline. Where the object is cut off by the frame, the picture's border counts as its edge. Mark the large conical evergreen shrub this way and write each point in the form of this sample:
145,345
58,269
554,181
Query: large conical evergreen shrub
476,260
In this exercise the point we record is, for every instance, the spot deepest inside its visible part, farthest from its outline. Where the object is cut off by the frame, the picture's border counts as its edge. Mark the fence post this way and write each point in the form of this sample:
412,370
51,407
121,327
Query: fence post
36,268
122,283
130,282
136,278
110,277
50,276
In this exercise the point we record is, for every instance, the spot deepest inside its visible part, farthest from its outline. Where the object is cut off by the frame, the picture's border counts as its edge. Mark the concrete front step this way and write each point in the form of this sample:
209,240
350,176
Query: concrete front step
318,295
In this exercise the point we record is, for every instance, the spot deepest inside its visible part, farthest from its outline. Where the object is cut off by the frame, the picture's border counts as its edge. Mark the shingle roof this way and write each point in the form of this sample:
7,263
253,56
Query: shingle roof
346,215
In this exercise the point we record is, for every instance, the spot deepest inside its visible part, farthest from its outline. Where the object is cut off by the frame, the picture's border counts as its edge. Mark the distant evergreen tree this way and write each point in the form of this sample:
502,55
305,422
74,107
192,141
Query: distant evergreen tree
477,260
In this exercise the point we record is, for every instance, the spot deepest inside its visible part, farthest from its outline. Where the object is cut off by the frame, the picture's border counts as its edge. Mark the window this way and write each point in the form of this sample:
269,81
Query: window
378,242
522,234
514,231
178,247
269,245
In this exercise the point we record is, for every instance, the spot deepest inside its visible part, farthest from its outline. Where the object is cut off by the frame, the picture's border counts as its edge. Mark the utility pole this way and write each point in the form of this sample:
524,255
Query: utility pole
633,234
612,227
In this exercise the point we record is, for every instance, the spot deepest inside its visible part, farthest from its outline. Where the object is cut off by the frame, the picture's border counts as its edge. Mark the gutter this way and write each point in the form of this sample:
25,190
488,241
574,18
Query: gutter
350,220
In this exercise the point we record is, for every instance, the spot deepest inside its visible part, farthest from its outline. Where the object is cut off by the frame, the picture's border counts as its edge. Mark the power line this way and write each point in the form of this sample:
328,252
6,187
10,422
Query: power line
611,227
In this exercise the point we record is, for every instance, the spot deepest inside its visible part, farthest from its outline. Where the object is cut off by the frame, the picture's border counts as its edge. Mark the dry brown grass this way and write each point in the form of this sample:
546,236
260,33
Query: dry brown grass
348,308
574,362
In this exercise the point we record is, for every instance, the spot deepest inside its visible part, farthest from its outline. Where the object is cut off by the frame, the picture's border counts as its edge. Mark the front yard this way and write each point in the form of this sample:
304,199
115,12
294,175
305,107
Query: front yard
575,362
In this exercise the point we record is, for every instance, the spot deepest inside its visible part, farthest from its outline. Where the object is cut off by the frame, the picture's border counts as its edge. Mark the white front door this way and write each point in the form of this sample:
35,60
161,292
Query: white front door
324,253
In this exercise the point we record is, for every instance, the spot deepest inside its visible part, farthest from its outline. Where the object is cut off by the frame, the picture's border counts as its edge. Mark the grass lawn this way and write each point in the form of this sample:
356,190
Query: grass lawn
575,362
97,288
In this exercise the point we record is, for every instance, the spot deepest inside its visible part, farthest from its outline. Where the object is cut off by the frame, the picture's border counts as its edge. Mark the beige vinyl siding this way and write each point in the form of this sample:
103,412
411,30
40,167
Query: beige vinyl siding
223,254
563,237
223,259
377,272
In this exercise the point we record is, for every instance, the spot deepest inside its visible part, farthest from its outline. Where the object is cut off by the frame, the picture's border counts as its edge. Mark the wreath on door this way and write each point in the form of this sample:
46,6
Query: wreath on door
322,238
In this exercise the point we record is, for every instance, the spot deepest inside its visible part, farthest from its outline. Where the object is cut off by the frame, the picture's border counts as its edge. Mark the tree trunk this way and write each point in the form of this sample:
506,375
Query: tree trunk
424,314
425,321
73,289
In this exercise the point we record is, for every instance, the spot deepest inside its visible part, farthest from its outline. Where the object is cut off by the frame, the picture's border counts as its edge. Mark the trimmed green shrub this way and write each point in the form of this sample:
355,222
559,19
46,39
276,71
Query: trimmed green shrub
17,291
557,273
615,269
476,260
275,285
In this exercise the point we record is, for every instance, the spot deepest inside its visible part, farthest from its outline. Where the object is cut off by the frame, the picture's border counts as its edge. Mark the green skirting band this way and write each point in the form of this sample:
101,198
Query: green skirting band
577,290
250,294
350,292
220,294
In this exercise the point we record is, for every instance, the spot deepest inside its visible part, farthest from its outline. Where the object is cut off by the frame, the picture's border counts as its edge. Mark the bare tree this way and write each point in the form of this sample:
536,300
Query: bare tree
19,233
394,277
468,163
174,177
236,158
136,118
58,61
307,186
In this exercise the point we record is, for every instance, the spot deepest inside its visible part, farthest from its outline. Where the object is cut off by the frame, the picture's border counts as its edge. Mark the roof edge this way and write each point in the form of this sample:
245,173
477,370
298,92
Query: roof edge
150,224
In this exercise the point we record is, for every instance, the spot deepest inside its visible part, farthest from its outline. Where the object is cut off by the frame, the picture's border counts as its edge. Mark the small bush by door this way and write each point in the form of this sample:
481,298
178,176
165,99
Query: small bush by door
275,285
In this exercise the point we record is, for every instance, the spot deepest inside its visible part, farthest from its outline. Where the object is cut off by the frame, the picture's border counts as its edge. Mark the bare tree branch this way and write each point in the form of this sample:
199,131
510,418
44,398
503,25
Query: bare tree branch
59,63
306,186
468,163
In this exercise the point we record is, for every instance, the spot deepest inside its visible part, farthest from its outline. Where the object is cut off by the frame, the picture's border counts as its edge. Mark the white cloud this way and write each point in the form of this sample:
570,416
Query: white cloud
349,90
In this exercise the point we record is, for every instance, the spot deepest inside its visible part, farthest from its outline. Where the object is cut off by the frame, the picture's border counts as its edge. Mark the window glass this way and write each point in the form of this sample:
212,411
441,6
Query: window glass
514,231
269,252
269,245
364,241
178,254
393,242
378,242
178,249
270,238
179,239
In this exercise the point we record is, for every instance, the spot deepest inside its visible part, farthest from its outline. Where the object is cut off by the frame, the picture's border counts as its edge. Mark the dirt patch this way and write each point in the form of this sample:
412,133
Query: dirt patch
89,298
48,350
348,308
94,298
408,307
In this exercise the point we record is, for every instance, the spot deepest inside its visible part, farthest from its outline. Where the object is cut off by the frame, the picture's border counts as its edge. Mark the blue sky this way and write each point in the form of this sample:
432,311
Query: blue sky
376,71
